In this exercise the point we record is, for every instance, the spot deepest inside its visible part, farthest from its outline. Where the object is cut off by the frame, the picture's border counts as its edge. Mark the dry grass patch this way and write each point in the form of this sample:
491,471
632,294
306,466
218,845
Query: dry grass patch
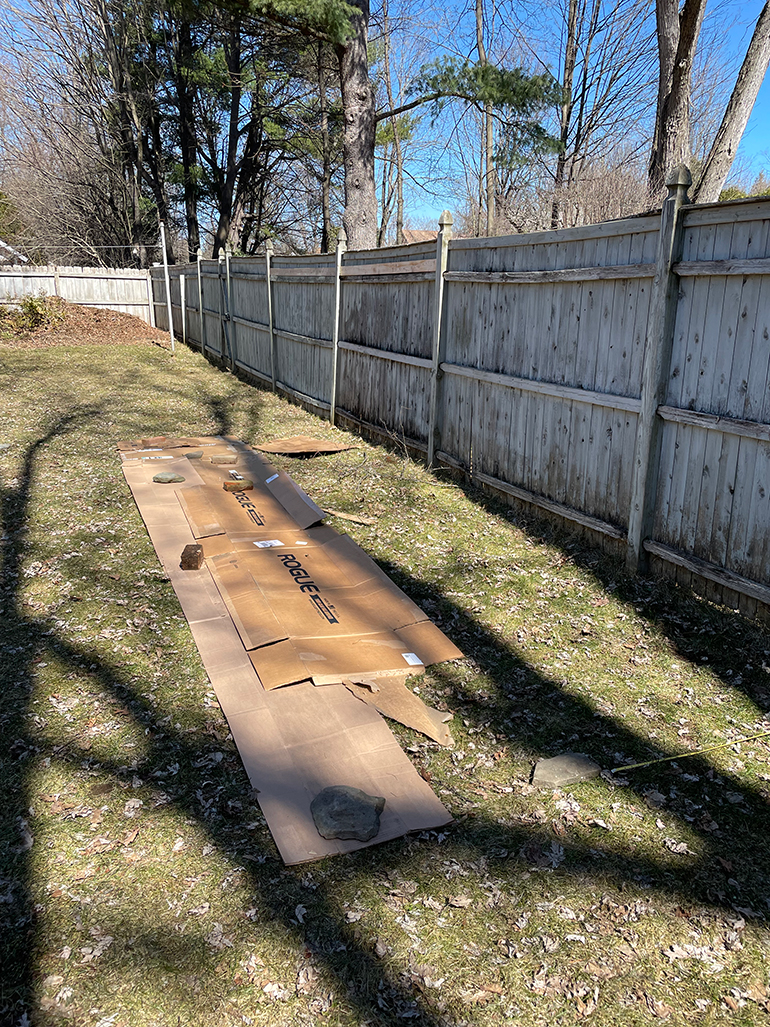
138,882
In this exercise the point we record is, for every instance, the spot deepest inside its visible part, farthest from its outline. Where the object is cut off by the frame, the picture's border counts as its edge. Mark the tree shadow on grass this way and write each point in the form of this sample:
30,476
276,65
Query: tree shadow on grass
535,715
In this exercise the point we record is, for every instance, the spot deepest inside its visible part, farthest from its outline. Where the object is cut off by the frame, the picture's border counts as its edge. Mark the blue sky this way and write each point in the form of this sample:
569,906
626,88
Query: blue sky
755,145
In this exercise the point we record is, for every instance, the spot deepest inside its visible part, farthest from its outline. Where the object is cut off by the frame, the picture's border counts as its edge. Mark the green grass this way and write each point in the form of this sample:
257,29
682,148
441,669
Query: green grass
152,894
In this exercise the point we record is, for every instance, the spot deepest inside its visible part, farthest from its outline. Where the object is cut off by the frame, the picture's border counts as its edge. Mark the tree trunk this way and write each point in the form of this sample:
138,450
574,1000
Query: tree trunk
677,36
188,142
722,153
488,139
326,157
566,110
358,137
226,189
394,122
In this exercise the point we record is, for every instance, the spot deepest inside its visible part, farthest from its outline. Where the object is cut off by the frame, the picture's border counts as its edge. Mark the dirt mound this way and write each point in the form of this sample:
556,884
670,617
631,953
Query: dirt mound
76,325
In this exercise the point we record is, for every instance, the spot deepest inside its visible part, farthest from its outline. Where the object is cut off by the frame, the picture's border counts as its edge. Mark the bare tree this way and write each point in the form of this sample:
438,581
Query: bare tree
722,154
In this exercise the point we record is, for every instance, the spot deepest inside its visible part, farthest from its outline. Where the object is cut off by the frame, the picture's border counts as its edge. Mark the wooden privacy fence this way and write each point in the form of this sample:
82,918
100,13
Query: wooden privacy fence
126,289
617,375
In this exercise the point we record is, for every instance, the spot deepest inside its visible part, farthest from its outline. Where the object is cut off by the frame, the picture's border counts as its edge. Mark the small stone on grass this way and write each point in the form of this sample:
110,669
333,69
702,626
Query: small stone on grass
566,769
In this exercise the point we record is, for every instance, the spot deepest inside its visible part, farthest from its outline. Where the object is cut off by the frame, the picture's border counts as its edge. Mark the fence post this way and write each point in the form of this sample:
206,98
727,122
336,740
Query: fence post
150,298
201,322
169,309
342,245
437,347
268,286
222,322
183,304
655,370
232,337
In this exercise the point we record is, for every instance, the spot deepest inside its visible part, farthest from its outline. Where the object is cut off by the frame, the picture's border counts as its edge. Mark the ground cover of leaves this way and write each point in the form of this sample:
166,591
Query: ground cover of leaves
139,884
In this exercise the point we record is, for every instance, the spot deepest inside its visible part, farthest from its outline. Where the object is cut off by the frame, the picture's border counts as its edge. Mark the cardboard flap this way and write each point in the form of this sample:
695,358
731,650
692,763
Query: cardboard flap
303,445
199,512
166,442
428,642
393,699
330,660
295,501
252,615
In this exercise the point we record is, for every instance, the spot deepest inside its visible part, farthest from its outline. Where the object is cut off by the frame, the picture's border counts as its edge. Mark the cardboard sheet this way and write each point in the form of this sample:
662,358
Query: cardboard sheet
293,741
394,700
319,608
303,445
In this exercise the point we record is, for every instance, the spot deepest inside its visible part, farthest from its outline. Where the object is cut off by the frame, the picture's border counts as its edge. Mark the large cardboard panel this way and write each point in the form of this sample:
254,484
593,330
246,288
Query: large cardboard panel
278,500
320,609
293,741
306,739
303,445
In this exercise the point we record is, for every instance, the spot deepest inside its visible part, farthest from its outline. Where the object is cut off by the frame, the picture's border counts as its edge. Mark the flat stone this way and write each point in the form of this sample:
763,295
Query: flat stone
196,454
567,769
224,458
167,477
344,812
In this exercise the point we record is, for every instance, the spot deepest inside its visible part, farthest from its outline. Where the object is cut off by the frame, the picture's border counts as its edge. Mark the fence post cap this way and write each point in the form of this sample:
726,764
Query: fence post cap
677,177
342,236
199,253
445,220
268,245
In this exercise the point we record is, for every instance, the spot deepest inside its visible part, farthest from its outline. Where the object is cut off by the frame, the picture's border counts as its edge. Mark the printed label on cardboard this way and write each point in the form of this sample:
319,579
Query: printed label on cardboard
412,659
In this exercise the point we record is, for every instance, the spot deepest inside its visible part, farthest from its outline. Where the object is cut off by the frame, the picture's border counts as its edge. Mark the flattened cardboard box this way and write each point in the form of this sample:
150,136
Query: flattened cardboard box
318,608
293,741
303,445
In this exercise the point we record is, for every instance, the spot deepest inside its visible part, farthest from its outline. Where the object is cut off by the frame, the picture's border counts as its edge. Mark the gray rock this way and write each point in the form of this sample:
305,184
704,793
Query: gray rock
344,812
167,477
566,769
196,454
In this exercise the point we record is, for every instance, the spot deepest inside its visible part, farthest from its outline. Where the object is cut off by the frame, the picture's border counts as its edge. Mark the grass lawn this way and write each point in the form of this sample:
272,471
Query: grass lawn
139,884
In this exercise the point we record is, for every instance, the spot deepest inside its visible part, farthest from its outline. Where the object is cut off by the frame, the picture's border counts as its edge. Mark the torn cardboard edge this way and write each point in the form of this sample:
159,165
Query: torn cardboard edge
304,445
293,741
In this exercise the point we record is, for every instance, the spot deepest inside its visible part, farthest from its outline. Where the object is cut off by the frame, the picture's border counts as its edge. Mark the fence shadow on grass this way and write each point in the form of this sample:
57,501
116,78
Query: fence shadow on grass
539,718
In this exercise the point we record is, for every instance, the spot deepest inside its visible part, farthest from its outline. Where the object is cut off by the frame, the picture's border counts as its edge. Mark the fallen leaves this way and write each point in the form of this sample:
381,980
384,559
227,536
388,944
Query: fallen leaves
459,901
216,938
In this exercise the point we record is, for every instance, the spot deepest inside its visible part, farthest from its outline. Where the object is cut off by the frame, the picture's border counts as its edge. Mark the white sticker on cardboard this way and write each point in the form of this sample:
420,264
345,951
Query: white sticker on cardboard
412,659
157,458
299,542
268,480
269,543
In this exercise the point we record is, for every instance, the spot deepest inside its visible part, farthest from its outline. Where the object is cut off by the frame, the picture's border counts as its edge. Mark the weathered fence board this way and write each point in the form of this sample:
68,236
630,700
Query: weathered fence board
127,290
534,380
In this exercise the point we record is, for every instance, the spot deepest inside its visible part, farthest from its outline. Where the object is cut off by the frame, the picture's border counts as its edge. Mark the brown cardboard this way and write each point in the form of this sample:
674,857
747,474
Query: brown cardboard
294,741
303,445
393,699
305,739
166,442
320,609
284,501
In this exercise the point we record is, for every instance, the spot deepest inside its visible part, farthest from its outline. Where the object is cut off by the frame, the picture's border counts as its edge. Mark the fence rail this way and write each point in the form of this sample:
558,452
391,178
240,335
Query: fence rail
616,375
128,290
